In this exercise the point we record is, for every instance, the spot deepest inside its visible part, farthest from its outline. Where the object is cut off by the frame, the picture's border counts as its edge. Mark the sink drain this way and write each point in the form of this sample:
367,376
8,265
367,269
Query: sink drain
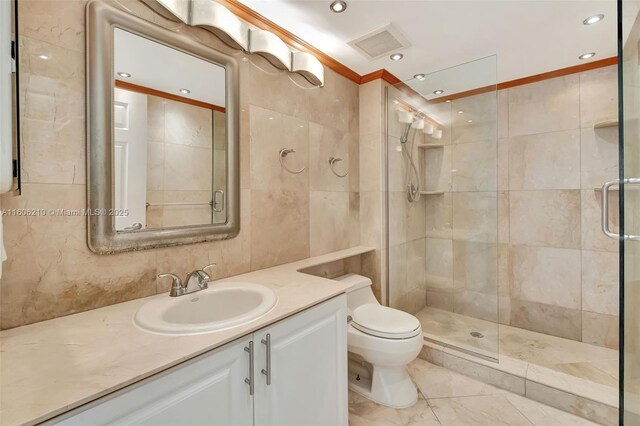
477,334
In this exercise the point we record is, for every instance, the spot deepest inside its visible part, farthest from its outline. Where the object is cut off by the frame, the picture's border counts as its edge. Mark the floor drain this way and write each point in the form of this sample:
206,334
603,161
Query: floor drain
477,334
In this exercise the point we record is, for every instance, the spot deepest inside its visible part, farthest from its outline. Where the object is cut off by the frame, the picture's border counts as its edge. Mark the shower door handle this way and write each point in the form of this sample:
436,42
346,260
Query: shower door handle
604,208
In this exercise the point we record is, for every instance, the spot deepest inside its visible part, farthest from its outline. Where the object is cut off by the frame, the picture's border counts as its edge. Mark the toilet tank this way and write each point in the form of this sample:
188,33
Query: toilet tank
360,292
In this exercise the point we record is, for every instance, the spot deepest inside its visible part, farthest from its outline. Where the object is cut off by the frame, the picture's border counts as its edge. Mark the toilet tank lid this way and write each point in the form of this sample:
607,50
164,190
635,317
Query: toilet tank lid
356,281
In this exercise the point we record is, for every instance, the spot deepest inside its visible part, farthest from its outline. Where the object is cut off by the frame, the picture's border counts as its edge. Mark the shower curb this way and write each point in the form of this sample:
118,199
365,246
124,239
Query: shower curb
552,388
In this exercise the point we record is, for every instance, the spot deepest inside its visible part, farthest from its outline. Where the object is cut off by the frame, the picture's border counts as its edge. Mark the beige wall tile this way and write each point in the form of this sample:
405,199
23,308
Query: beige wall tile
398,286
370,158
545,218
438,165
546,275
546,106
371,219
439,261
592,236
59,23
475,267
598,95
189,168
187,124
370,112
600,282
475,216
503,164
439,215
328,222
599,329
52,108
474,166
325,142
547,319
398,206
545,161
270,132
482,110
279,227
503,114
599,156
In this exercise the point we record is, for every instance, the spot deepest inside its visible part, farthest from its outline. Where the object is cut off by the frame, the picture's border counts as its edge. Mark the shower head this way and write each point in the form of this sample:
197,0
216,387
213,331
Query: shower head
405,136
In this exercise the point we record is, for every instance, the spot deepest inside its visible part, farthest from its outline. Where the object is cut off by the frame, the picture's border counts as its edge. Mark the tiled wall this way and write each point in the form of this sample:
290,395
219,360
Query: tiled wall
561,271
553,270
50,271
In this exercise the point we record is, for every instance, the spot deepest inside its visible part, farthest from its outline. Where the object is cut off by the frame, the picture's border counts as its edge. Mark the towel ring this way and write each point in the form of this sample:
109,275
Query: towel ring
332,162
283,153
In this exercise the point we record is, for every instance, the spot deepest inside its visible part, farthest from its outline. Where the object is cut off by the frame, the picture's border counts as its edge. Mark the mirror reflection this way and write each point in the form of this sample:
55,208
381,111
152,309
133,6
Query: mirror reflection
169,136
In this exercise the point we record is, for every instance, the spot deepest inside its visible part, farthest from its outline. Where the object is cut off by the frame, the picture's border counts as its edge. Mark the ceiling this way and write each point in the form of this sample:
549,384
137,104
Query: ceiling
528,37
156,66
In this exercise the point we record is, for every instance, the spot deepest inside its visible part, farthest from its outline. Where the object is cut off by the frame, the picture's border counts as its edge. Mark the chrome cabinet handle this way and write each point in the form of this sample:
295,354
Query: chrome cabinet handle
250,380
267,371
604,208
218,206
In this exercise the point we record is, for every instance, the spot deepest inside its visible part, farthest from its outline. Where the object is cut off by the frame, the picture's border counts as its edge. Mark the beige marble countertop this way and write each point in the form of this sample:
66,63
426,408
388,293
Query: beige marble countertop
53,366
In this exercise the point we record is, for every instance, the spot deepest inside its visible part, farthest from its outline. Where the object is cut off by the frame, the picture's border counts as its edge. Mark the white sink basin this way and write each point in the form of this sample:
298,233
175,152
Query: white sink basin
221,306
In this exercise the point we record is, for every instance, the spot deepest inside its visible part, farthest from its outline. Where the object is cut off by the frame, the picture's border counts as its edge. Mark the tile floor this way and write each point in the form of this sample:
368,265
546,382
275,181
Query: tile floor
449,398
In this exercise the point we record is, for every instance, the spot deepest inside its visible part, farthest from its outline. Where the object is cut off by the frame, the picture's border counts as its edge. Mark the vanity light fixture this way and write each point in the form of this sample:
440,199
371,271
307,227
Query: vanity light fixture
396,56
185,91
438,92
593,19
587,55
420,77
338,6
45,57
124,74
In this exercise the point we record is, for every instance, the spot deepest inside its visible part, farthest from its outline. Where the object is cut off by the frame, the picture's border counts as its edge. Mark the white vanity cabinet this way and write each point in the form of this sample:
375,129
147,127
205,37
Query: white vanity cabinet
305,357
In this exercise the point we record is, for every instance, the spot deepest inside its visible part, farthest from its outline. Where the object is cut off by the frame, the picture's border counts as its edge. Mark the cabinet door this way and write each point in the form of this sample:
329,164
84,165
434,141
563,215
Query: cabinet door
210,390
308,368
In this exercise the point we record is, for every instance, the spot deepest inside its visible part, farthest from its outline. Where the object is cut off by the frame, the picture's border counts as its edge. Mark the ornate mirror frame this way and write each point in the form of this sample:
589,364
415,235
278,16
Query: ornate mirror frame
101,20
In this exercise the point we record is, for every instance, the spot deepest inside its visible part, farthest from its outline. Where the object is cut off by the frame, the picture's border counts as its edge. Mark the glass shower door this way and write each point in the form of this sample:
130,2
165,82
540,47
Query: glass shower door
629,186
442,195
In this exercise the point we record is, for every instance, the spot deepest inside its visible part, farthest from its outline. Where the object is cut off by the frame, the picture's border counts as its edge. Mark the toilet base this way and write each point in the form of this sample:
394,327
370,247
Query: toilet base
390,386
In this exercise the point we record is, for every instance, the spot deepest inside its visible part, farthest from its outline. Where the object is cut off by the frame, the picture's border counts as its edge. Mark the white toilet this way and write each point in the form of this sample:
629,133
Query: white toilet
384,341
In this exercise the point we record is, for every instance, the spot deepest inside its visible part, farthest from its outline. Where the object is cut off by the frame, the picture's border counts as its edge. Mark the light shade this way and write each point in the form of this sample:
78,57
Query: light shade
271,47
220,21
308,66
428,128
437,134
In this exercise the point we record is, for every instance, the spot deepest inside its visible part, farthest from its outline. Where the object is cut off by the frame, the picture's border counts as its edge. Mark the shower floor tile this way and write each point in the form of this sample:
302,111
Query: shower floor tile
582,360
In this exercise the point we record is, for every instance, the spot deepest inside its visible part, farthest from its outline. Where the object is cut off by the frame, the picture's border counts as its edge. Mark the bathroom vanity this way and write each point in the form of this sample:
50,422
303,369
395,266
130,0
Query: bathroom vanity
99,365
254,380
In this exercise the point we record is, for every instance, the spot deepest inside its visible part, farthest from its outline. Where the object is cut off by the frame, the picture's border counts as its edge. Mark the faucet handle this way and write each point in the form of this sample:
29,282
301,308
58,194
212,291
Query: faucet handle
206,272
176,287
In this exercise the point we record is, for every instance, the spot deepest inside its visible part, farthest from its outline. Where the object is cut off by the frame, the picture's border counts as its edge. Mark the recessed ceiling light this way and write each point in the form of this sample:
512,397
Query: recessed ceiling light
124,74
338,6
593,19
469,121
448,101
45,57
419,77
461,112
587,55
438,92
396,56
185,91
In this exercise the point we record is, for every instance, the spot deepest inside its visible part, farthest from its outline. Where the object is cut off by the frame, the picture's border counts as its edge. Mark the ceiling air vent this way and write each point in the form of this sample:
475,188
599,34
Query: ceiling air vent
381,42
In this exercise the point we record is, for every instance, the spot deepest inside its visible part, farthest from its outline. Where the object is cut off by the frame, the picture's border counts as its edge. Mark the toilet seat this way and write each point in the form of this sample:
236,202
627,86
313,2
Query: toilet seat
384,322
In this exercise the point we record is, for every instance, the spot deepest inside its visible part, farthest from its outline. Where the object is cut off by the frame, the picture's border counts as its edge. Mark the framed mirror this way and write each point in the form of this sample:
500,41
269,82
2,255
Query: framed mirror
162,136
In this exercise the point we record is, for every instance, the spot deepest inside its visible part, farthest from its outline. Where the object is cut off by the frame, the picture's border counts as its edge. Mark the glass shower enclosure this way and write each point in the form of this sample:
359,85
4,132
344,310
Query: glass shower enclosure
443,203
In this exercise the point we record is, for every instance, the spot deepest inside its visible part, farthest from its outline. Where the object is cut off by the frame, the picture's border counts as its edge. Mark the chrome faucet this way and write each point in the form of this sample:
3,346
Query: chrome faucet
196,280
